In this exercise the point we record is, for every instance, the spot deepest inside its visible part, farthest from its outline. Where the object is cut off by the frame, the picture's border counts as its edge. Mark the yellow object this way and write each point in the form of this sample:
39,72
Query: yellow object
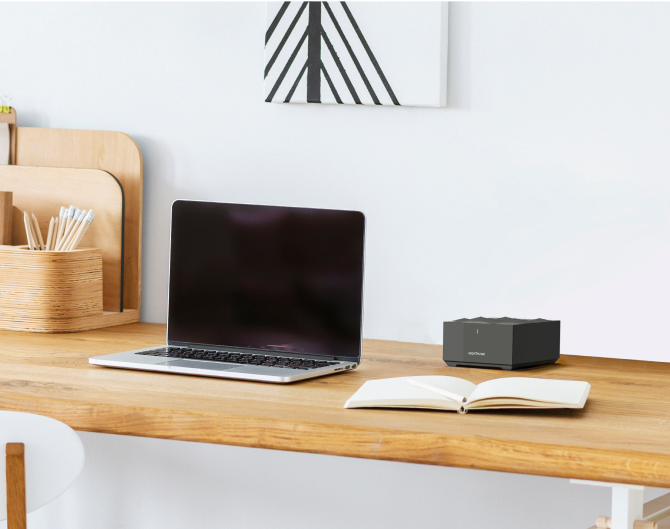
5,109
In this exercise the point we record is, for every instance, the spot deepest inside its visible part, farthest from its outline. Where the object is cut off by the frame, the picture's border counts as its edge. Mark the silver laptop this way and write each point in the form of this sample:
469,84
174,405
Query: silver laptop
266,293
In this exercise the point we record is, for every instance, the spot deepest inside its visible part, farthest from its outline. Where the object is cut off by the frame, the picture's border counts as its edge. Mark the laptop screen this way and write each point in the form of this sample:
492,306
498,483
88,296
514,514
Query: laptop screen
273,278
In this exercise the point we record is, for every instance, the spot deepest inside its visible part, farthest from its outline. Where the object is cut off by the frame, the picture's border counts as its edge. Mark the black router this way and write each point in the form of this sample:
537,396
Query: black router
501,343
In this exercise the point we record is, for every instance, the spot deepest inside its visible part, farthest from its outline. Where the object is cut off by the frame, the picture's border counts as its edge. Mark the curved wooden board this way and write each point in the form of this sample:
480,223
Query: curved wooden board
114,152
43,190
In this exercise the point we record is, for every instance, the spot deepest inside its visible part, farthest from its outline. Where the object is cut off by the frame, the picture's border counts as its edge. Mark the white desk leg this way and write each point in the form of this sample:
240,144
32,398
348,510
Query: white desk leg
627,502
626,506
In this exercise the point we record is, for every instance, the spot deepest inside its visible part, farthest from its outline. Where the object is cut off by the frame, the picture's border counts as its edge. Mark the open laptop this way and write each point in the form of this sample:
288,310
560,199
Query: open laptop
266,293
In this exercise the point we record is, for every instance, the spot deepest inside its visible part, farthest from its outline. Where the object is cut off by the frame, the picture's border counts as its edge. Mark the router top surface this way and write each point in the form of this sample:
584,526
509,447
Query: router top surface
504,320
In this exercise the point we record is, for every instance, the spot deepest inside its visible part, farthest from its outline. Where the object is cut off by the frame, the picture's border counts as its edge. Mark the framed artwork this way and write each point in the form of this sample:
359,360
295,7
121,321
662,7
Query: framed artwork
362,53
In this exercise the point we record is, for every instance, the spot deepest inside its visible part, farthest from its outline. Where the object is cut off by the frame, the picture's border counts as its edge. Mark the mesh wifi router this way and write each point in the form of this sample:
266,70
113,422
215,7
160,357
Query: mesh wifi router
501,343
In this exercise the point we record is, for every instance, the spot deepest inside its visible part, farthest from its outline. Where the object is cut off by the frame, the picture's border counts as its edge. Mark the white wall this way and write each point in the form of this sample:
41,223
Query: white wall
541,191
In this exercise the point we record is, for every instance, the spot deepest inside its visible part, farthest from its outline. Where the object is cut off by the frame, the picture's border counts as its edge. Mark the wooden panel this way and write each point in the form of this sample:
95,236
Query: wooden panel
114,152
16,486
43,190
11,119
6,199
620,436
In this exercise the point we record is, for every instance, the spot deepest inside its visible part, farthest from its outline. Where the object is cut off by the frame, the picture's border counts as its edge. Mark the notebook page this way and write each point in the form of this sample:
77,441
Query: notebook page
454,385
398,392
536,389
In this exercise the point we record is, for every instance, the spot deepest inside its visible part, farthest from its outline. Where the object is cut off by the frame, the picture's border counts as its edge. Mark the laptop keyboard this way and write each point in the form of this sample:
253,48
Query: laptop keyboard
239,358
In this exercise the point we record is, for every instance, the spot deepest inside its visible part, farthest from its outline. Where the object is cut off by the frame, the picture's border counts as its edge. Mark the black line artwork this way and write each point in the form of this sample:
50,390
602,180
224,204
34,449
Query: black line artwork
345,77
314,54
330,84
295,85
284,38
276,20
314,47
370,54
353,55
287,67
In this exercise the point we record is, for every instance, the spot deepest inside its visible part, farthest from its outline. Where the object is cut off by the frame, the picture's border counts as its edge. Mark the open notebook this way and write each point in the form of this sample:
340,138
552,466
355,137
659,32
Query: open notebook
451,393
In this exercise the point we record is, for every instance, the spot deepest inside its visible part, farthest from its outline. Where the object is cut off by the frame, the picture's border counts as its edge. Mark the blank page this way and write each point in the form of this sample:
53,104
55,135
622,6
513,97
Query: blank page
398,392
452,384
536,389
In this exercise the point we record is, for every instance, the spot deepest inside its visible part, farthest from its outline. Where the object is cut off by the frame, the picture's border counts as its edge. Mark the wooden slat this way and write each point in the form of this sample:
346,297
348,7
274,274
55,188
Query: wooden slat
16,486
662,503
620,436
114,152
655,505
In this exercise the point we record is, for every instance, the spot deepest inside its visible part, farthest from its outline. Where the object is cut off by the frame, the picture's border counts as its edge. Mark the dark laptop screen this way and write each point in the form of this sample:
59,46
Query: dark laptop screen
266,277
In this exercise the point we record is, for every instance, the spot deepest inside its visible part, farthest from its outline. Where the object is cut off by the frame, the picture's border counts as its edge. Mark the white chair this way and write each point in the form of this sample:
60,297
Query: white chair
44,457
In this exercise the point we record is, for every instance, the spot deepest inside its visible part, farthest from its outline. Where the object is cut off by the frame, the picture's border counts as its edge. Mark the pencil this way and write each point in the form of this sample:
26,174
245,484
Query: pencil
57,220
67,236
72,215
82,231
65,246
50,235
36,243
61,226
30,247
56,228
29,231
68,229
69,216
36,225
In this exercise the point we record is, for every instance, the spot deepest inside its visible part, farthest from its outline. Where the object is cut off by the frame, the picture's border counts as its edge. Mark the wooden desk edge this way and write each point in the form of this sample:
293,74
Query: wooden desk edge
383,444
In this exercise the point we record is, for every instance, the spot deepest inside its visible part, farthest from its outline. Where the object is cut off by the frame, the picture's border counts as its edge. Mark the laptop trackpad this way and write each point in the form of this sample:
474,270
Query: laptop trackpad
200,364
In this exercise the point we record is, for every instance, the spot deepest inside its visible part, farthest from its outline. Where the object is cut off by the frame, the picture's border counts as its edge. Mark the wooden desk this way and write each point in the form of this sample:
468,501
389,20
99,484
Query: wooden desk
622,435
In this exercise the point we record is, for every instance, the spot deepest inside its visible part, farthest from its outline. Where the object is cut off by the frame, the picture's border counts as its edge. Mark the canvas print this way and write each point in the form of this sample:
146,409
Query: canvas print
360,53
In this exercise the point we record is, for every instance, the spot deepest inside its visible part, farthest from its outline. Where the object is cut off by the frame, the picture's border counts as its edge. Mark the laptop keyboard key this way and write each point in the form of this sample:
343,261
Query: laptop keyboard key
283,362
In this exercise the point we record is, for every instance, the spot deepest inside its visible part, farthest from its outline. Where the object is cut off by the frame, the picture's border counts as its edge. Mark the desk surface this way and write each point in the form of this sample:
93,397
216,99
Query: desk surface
622,435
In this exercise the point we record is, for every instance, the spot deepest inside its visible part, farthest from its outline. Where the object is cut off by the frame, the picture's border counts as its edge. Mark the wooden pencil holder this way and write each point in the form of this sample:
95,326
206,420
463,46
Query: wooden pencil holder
50,291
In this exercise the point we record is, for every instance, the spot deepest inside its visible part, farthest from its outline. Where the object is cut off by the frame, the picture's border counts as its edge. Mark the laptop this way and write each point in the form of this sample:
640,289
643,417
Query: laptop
265,293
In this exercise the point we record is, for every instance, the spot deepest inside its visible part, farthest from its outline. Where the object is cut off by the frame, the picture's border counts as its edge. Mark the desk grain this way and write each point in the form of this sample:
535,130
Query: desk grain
622,435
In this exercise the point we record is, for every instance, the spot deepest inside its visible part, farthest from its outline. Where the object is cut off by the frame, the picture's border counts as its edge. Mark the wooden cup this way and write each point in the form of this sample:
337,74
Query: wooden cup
50,291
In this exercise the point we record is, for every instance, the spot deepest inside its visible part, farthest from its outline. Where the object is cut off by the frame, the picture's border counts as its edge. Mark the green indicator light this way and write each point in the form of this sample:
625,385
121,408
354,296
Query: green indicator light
477,331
